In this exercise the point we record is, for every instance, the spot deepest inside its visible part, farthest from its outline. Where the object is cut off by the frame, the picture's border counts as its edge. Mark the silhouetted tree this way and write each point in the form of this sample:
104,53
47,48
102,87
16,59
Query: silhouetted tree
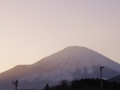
47,87
64,85
85,84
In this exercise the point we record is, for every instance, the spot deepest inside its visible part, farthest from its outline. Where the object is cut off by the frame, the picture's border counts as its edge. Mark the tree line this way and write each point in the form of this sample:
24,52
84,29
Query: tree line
84,84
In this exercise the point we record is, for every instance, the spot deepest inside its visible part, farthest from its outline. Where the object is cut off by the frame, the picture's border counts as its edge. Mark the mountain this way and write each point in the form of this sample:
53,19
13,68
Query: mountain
116,79
73,62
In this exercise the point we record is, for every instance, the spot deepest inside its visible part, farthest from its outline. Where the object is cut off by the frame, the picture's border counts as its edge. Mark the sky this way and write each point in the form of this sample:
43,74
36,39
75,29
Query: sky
33,29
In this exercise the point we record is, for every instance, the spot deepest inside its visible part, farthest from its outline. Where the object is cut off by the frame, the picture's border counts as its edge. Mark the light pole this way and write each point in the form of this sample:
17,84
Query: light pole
15,83
101,67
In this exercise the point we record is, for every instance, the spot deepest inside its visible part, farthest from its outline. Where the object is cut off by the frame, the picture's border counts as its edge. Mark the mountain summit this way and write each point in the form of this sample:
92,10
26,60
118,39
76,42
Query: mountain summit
71,63
74,63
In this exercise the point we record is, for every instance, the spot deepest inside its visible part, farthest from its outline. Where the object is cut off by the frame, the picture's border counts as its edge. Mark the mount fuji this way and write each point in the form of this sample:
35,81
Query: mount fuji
71,63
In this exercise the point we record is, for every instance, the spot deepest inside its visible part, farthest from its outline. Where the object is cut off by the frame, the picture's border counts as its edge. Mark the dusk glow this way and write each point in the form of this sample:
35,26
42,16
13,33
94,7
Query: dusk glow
33,29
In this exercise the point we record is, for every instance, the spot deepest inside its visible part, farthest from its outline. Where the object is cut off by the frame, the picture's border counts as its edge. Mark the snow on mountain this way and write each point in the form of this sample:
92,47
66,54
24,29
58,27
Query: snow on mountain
78,57
71,63
71,60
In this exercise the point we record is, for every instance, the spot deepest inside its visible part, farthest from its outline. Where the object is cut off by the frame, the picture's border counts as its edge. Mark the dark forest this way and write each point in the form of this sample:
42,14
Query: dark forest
84,84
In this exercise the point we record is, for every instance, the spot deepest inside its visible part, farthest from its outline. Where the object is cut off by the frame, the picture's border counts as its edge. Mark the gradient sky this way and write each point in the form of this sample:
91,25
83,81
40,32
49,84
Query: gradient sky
33,29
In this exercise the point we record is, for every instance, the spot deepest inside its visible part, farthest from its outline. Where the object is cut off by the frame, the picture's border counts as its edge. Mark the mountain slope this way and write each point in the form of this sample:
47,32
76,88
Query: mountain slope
66,63
71,63
117,79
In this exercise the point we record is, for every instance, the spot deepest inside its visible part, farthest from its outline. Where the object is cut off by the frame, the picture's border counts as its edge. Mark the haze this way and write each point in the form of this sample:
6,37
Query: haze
33,29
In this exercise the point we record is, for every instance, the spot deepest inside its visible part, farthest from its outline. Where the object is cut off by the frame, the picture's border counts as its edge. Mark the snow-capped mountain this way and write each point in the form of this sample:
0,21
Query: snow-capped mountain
71,63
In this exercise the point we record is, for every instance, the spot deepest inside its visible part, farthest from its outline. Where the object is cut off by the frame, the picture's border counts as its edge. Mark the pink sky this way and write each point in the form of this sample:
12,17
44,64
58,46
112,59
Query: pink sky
33,29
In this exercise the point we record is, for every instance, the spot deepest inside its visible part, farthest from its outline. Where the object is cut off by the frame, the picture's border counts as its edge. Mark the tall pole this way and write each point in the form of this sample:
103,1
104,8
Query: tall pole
15,83
101,75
